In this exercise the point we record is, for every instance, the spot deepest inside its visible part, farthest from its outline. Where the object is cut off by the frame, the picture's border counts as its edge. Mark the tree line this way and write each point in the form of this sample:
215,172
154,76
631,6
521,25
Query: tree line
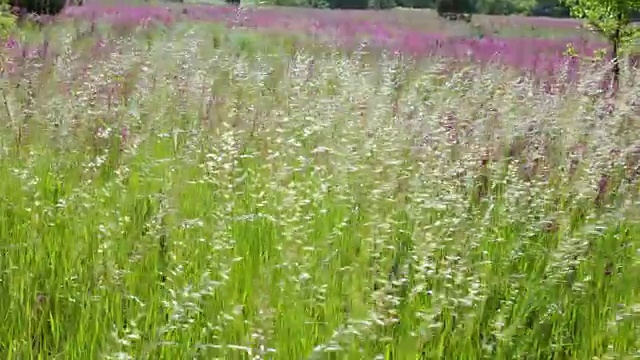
491,7
549,8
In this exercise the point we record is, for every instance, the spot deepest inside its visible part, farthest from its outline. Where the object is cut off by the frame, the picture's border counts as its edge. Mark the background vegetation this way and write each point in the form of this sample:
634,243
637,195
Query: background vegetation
550,8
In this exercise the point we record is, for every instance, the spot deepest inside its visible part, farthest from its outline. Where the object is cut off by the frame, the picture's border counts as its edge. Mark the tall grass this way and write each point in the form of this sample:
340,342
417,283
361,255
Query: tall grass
203,194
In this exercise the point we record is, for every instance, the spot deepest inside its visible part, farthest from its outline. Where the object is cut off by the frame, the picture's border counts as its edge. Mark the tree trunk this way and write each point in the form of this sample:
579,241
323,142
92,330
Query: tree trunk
614,53
616,62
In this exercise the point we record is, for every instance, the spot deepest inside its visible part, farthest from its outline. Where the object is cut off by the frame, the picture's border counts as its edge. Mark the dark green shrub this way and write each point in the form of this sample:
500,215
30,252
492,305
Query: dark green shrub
417,4
550,11
349,4
445,7
423,4
382,4
234,2
318,4
40,7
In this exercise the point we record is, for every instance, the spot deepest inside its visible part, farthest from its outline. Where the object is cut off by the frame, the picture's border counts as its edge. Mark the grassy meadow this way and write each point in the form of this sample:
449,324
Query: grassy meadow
199,191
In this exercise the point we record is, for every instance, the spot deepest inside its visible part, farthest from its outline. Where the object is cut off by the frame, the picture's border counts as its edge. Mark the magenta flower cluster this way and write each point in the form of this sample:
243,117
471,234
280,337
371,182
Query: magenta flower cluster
538,55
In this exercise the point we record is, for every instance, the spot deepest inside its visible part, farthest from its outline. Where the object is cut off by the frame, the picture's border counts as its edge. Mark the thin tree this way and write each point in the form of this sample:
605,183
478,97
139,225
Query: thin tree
611,18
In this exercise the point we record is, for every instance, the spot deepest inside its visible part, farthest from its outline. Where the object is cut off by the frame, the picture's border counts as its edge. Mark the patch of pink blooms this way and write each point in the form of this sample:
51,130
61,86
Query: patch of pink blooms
538,55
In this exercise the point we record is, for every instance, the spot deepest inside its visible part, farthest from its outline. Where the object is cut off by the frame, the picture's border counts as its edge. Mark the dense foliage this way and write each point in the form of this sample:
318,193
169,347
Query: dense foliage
349,4
48,7
551,8
454,6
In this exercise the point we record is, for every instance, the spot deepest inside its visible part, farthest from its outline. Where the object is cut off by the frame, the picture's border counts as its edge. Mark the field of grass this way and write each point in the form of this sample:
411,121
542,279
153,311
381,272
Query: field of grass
199,192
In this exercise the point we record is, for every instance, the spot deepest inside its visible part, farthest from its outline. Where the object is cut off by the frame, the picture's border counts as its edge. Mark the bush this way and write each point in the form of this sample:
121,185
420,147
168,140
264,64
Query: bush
454,7
349,4
550,11
423,4
382,4
237,2
40,7
7,21
500,7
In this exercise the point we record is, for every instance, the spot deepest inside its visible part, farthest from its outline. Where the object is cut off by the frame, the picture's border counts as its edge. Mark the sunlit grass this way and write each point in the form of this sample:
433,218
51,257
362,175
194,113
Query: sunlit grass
197,195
